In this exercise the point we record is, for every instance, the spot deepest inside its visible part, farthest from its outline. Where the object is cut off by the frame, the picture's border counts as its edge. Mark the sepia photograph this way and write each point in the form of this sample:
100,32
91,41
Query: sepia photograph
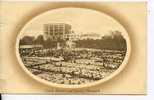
73,47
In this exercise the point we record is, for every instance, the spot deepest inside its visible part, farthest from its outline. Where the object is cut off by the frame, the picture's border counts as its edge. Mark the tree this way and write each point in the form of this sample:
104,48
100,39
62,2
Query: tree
113,41
27,40
49,43
39,40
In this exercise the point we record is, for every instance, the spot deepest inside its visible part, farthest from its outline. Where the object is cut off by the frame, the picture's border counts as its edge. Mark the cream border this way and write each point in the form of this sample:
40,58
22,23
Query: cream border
77,86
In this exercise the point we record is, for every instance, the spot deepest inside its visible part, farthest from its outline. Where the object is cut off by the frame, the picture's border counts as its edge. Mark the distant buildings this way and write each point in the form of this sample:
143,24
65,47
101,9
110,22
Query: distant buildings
63,31
56,31
74,36
93,36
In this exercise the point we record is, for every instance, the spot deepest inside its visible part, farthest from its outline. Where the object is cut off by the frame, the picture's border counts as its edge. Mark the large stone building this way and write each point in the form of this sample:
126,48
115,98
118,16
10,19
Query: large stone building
56,31
61,31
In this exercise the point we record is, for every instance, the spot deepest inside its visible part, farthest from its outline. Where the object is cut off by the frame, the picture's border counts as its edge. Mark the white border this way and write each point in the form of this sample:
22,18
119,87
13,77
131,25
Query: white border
121,67
150,93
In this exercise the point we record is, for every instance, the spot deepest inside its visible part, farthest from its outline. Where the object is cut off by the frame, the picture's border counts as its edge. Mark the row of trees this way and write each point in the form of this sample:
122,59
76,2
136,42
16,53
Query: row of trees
113,41
29,40
39,40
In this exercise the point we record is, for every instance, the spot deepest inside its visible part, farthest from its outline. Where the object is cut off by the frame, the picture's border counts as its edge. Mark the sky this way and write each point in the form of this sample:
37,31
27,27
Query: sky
83,21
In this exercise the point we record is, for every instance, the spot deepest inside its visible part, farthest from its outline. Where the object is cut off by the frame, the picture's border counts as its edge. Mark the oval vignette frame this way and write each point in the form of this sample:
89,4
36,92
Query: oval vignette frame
121,67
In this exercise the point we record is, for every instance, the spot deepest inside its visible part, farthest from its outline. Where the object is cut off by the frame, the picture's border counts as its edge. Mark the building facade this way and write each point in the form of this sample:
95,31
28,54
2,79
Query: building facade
56,31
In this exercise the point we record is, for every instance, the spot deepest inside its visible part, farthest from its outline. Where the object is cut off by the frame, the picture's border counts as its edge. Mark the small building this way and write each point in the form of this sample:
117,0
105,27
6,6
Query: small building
25,50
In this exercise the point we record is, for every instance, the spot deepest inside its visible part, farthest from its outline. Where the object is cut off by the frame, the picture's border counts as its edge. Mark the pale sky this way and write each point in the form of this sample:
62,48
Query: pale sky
82,20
